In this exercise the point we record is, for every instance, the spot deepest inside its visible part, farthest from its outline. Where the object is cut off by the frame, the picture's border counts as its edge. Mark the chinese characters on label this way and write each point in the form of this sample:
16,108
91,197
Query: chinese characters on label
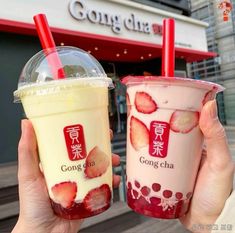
74,138
226,6
159,137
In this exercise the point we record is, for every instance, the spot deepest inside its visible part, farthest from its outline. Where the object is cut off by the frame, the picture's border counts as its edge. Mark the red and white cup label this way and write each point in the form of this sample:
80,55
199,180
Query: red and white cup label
159,139
75,142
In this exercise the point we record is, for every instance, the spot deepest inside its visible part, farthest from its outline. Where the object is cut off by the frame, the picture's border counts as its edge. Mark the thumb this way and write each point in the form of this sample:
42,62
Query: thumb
28,162
218,154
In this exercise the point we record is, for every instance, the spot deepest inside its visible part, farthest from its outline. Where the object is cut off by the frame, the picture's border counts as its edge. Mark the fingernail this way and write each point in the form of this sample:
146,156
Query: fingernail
213,109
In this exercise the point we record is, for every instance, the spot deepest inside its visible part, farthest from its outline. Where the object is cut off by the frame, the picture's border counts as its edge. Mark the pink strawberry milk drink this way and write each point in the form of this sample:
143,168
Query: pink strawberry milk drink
164,142
70,119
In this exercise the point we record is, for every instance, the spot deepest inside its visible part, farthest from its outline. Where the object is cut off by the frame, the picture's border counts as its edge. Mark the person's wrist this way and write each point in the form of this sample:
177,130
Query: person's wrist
22,227
203,224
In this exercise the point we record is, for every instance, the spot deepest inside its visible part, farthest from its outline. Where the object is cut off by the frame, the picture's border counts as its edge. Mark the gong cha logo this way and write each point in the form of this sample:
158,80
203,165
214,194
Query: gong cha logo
81,12
226,7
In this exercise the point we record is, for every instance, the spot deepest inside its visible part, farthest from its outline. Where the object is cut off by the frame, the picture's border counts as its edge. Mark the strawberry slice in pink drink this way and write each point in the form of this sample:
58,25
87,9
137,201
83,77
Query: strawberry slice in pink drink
97,163
97,198
139,134
144,103
183,121
64,193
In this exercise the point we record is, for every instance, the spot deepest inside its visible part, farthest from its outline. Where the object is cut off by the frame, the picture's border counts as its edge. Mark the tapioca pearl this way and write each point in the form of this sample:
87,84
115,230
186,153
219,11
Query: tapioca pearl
145,190
137,184
156,187
129,193
142,202
155,200
129,185
189,195
179,195
135,193
167,193
179,208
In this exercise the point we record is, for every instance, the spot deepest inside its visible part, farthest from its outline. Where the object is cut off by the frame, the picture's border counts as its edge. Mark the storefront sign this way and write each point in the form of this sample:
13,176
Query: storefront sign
118,19
80,11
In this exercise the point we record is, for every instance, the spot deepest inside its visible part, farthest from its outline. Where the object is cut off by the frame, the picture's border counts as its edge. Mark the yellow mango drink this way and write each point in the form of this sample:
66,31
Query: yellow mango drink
70,119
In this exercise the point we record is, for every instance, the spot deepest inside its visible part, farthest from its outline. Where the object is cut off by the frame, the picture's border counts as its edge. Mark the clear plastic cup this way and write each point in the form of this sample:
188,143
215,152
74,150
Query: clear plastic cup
164,142
70,119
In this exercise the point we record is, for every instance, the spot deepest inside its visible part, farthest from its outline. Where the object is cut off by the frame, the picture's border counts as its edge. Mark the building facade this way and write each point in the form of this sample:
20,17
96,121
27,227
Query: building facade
181,7
220,39
125,36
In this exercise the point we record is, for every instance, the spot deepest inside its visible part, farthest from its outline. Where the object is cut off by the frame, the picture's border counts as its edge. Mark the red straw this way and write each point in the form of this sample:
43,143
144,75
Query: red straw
48,43
168,48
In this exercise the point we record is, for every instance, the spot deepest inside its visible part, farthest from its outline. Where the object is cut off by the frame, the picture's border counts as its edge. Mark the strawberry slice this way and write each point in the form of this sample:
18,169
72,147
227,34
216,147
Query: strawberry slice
183,121
128,104
144,103
210,95
139,134
97,198
97,163
64,193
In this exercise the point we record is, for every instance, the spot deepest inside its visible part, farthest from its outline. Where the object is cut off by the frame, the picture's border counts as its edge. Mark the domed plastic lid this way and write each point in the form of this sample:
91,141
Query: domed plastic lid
73,64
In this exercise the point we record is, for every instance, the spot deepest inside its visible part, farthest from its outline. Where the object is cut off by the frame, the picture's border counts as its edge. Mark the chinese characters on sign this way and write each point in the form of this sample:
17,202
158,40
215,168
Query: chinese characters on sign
226,6
74,138
159,137
157,29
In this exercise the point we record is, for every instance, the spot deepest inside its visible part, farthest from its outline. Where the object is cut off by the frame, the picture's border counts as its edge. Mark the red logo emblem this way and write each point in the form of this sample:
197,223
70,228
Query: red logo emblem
75,142
159,138
226,6
157,29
